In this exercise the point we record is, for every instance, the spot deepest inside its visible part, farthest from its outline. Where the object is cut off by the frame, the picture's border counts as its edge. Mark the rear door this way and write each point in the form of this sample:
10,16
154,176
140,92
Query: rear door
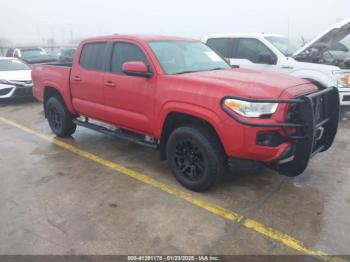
87,80
128,99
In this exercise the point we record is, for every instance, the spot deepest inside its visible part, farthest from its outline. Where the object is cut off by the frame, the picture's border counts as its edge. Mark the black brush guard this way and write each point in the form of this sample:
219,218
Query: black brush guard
311,125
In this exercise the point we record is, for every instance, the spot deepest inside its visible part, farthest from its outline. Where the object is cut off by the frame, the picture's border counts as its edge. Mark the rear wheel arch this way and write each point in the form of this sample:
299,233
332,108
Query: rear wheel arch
51,91
59,118
175,119
48,93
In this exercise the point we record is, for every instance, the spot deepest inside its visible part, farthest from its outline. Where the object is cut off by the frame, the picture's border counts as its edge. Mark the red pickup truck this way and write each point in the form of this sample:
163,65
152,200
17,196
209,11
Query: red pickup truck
179,96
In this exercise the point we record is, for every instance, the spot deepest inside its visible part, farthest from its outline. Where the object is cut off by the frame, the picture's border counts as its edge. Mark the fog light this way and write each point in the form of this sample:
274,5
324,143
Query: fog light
5,91
271,139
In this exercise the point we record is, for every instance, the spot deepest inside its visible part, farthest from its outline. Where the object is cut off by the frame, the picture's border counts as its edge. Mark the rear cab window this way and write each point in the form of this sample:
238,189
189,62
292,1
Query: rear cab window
93,56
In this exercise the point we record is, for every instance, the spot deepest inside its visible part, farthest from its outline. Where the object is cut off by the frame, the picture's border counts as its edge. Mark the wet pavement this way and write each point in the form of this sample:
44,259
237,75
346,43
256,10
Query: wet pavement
56,202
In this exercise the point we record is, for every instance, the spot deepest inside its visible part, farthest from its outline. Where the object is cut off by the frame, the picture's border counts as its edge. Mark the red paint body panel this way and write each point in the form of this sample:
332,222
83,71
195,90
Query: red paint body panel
143,104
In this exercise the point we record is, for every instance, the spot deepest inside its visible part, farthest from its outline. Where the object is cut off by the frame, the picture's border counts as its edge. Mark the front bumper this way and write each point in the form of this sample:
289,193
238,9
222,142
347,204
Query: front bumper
16,90
344,95
310,128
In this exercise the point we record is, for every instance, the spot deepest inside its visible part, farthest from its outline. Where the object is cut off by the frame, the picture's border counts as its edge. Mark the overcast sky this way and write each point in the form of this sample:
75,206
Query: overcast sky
30,21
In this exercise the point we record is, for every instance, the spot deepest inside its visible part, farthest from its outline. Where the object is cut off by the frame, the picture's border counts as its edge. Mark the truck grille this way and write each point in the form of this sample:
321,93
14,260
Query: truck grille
314,114
319,108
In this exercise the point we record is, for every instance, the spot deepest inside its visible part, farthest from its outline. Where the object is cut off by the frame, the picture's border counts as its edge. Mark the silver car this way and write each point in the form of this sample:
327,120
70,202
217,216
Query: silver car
15,78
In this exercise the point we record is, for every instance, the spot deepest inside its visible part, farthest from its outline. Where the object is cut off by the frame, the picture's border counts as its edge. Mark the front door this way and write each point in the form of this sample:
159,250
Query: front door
250,53
128,99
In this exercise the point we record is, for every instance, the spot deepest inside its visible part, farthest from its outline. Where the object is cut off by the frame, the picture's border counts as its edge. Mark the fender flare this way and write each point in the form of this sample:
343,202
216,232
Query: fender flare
66,97
192,110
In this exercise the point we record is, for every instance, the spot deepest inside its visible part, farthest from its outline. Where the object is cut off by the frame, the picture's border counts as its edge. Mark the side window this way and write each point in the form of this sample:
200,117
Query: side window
223,46
125,52
253,50
93,56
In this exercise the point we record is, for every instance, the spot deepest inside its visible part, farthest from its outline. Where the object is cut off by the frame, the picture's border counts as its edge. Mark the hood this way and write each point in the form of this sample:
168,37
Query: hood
245,82
328,38
18,75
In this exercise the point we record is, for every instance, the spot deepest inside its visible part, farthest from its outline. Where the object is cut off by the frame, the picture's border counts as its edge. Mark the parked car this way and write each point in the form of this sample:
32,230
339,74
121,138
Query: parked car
30,55
65,55
178,95
15,78
270,52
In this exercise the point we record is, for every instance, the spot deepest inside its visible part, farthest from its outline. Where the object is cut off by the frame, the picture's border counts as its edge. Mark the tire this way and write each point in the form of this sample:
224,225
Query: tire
60,120
196,157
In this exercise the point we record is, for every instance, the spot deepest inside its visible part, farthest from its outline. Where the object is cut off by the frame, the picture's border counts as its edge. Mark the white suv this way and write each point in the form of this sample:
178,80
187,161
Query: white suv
273,52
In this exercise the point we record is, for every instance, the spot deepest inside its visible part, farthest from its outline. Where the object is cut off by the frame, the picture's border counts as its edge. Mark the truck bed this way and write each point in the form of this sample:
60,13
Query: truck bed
53,75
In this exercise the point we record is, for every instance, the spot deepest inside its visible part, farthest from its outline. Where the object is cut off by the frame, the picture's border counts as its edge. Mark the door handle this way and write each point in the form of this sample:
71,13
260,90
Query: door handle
235,66
287,67
109,84
77,78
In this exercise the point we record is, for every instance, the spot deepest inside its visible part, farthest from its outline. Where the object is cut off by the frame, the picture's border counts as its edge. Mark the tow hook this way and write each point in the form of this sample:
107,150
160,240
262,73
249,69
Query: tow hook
287,156
319,133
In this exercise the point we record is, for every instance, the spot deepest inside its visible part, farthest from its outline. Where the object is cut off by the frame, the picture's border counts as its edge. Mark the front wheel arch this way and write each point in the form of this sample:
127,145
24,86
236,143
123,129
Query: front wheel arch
174,120
196,157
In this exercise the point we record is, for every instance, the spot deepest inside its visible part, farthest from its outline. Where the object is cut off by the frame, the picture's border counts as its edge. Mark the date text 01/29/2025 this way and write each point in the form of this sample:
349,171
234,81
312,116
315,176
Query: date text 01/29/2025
173,258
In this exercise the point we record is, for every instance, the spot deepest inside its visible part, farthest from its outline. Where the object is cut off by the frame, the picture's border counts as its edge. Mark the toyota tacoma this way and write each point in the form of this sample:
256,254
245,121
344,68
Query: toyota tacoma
179,96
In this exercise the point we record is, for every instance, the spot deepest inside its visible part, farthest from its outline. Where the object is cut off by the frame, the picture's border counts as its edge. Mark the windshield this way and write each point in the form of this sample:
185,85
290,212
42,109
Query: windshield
31,53
282,44
12,65
179,57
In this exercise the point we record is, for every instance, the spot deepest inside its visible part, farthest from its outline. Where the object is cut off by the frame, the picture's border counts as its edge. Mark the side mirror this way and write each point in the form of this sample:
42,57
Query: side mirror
267,58
137,68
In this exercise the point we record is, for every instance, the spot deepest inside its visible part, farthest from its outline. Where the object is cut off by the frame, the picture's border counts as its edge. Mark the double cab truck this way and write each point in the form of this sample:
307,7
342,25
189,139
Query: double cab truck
179,96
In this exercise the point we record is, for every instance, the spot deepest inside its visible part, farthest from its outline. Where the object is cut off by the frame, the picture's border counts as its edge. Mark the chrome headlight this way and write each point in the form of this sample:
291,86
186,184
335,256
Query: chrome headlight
342,78
250,109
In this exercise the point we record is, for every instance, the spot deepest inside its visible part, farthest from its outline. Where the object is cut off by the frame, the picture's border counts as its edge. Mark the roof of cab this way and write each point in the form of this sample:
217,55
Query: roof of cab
237,35
144,38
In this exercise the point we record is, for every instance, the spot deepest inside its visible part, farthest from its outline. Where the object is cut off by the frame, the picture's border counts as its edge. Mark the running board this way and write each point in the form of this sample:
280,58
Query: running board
119,133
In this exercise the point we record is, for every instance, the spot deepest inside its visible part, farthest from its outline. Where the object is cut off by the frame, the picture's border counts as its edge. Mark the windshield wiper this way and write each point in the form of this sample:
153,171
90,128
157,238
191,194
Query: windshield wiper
194,71
186,72
217,68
